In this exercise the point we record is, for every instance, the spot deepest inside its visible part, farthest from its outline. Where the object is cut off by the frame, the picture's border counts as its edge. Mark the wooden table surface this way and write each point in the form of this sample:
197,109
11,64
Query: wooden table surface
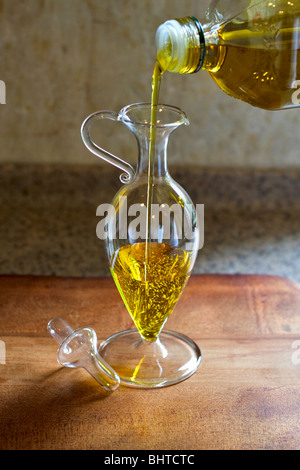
246,394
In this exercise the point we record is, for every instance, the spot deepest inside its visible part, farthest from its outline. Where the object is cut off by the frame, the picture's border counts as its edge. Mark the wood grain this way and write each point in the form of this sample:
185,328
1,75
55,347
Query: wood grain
246,394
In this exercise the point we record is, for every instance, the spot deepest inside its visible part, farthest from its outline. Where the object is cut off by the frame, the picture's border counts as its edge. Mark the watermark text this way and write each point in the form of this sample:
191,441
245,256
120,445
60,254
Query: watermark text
296,354
296,94
2,352
176,223
2,92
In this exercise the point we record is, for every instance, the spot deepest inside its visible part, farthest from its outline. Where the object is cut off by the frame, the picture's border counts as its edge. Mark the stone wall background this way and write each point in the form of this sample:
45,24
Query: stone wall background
64,59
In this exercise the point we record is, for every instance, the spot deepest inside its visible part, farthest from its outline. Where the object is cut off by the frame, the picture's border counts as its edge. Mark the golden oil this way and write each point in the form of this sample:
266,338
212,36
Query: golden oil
248,69
151,299
156,82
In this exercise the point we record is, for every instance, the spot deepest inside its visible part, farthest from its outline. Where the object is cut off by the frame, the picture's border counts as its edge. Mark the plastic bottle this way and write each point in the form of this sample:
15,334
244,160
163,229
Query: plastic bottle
250,48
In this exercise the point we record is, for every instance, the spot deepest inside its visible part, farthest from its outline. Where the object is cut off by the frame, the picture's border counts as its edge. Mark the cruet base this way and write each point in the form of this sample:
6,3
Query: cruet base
170,359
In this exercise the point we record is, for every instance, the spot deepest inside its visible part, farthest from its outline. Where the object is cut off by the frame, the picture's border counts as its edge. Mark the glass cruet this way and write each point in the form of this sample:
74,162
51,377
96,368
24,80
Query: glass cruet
152,235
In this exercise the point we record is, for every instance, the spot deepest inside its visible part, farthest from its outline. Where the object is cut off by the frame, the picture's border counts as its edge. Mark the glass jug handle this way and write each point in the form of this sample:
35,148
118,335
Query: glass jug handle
125,178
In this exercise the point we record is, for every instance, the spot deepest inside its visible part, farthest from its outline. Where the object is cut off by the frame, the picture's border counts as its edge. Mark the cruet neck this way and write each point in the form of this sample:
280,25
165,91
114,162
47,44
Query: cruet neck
152,152
152,138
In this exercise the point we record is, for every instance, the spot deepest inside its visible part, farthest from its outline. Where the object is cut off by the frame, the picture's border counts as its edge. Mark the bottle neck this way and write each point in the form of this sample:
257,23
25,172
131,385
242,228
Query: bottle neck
184,47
